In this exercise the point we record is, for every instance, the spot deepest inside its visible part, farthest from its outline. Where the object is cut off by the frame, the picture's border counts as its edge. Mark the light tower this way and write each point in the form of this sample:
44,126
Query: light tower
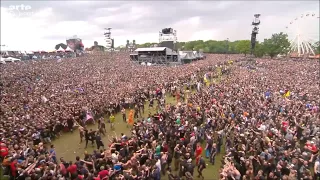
109,40
168,38
131,46
255,31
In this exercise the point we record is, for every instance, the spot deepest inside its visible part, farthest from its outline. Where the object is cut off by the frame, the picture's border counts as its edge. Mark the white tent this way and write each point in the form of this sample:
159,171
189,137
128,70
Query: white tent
29,52
10,59
196,54
60,49
15,59
69,49
182,54
191,55
2,60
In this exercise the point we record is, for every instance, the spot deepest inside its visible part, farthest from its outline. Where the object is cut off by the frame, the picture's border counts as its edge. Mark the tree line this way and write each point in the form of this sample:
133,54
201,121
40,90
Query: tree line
277,44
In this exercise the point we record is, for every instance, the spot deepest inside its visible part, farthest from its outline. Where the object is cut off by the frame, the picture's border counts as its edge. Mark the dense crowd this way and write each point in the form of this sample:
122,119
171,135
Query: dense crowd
40,55
42,98
267,112
273,118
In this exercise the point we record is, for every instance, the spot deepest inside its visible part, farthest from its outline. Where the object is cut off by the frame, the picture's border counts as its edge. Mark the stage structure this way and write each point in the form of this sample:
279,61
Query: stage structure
189,56
75,43
130,47
168,38
165,53
198,55
255,31
109,40
155,55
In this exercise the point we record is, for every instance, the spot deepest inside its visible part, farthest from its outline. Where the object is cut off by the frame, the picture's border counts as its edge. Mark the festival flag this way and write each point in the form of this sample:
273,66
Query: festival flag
131,118
79,90
89,117
206,79
287,94
267,94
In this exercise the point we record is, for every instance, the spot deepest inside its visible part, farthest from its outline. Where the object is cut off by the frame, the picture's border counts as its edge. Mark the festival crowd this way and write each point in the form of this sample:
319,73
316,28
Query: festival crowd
263,115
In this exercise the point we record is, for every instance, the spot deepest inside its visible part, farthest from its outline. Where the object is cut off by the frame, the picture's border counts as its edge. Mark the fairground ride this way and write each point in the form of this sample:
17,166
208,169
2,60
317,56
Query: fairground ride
303,34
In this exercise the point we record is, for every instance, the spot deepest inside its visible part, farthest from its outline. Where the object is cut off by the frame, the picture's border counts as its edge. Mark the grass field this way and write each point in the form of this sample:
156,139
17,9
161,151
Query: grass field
68,147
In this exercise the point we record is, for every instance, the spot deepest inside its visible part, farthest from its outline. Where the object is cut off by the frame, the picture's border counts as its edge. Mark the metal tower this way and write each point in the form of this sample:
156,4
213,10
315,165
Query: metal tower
168,38
255,31
109,40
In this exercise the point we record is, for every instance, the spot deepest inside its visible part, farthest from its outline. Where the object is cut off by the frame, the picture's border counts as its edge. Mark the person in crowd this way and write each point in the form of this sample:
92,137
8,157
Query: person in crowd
201,167
102,127
123,112
213,152
112,121
99,142
198,153
53,154
89,136
82,133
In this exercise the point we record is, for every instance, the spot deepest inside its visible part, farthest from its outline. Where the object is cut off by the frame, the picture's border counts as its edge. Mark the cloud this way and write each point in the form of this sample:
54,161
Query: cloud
51,22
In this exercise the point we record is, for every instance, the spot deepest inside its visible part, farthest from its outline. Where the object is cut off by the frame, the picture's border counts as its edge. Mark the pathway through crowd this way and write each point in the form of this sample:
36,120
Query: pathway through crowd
68,147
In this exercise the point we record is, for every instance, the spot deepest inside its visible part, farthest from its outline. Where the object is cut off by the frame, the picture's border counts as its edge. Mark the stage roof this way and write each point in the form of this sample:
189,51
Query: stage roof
151,49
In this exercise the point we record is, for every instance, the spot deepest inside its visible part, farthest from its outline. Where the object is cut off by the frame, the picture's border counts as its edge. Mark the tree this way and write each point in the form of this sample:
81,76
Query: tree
148,44
259,50
277,44
316,47
243,47
210,46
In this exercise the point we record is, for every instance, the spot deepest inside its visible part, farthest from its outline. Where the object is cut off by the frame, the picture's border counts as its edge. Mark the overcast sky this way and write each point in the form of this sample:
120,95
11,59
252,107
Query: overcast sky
48,23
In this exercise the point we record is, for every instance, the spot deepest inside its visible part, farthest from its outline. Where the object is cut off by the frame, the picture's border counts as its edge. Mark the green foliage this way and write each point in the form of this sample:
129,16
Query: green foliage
210,46
259,50
146,45
243,47
316,47
277,44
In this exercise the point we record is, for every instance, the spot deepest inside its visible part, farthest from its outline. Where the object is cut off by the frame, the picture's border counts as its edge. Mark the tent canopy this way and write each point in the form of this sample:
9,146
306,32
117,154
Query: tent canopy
60,49
69,49
29,52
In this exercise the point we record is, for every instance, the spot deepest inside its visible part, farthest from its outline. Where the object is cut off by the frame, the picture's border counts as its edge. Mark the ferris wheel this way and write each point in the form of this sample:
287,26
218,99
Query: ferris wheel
303,33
